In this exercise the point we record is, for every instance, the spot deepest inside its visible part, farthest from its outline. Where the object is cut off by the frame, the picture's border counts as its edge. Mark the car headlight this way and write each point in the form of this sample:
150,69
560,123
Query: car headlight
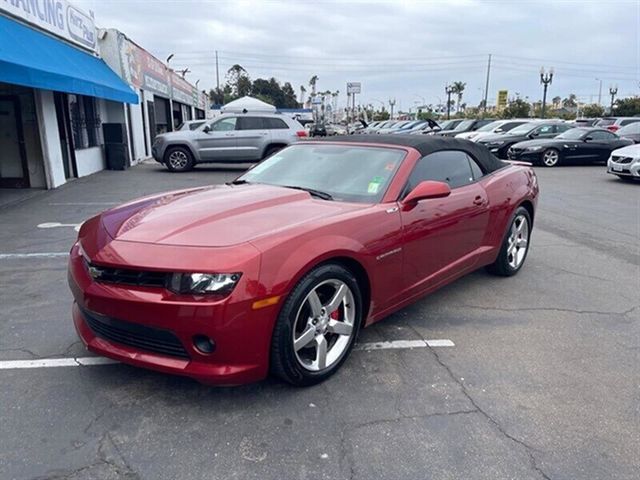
204,283
534,148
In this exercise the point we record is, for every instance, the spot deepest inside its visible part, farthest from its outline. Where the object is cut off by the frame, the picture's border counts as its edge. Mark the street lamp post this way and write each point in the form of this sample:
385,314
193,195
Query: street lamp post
448,89
599,91
613,91
545,80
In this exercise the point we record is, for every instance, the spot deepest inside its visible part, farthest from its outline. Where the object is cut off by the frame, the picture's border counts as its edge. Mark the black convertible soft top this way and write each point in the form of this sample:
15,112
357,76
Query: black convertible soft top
427,144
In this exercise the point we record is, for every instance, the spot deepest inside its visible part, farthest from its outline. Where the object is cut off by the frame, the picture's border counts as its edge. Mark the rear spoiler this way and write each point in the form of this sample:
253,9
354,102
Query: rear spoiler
517,162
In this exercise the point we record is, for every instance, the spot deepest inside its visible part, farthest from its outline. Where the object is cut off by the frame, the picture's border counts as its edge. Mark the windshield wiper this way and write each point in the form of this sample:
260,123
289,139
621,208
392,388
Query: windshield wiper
315,193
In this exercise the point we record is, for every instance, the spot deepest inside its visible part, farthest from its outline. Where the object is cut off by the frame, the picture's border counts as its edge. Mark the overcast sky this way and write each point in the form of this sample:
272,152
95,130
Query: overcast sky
407,50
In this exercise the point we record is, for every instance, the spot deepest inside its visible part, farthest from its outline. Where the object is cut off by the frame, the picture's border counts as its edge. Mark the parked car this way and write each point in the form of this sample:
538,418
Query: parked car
423,126
379,125
585,122
406,128
499,144
335,129
229,138
278,270
466,126
318,130
631,131
578,145
613,124
495,127
394,127
191,125
434,127
625,162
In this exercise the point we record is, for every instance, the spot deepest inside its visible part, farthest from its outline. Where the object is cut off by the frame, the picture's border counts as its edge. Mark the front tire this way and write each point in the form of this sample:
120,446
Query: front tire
515,245
317,326
550,157
178,159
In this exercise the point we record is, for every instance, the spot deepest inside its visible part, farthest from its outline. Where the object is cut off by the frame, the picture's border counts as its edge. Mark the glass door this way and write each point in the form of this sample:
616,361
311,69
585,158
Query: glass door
14,171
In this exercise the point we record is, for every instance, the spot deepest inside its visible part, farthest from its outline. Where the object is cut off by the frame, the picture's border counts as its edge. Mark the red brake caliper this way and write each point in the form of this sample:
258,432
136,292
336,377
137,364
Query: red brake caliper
335,314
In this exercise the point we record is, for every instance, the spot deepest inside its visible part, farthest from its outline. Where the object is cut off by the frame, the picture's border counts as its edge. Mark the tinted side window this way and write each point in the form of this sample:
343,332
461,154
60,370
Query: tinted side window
545,130
627,122
447,166
275,123
563,128
508,126
475,168
224,125
602,135
250,123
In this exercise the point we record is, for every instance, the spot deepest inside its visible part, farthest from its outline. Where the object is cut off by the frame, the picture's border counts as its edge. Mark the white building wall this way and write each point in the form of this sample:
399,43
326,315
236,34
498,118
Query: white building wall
92,160
49,138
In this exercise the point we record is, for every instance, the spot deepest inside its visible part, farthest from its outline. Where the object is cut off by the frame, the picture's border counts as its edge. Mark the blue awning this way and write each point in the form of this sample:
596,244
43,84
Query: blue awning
33,59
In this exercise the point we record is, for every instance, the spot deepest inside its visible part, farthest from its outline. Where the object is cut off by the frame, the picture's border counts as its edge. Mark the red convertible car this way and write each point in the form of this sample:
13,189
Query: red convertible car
278,270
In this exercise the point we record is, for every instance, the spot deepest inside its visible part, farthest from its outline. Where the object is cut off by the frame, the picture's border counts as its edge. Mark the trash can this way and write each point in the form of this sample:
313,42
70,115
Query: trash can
115,146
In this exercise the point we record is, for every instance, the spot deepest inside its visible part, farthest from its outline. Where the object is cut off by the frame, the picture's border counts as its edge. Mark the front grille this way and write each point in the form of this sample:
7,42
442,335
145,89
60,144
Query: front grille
135,335
622,160
128,277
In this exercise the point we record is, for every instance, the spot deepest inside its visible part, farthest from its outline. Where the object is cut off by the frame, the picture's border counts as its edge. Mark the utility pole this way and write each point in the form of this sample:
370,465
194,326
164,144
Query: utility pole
600,92
217,75
545,80
392,103
613,91
486,87
448,89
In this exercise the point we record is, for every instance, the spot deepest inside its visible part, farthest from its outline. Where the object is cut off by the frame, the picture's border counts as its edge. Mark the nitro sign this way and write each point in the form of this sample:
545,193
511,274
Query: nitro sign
57,17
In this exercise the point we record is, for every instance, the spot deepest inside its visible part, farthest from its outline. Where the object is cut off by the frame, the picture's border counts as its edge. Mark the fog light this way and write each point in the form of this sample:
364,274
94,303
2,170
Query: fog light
204,344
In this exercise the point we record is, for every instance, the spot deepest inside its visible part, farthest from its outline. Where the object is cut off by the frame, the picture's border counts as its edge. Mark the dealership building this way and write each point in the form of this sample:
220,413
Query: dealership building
72,94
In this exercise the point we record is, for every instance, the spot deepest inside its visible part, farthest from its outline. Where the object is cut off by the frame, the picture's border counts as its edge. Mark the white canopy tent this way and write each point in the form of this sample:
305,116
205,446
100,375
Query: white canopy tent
248,104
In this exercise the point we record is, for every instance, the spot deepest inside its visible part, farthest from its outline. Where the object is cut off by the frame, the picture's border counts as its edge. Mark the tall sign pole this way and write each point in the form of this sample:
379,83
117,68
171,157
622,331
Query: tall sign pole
448,89
217,75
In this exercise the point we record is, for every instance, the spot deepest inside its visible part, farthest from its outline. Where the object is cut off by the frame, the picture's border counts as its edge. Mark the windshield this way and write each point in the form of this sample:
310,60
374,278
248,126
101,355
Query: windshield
523,129
347,173
489,127
573,134
464,125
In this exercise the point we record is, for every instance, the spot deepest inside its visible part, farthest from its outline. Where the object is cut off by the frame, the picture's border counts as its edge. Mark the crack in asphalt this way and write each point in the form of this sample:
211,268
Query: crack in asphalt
23,350
550,309
528,448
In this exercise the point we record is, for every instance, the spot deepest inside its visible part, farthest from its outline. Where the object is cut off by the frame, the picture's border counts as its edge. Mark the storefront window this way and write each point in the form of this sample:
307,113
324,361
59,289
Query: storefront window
85,121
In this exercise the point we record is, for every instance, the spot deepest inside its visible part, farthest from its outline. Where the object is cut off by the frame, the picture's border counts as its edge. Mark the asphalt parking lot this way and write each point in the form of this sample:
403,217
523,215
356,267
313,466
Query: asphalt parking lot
541,383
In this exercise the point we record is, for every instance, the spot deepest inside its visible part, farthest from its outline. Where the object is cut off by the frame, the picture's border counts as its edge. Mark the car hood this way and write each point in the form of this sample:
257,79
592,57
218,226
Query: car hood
219,216
628,151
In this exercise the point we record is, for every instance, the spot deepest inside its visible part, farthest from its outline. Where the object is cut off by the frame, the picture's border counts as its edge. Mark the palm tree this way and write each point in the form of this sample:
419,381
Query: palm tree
302,92
570,101
458,88
556,101
312,83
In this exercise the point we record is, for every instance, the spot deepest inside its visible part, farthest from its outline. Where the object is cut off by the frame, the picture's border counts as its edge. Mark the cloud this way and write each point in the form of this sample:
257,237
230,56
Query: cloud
406,50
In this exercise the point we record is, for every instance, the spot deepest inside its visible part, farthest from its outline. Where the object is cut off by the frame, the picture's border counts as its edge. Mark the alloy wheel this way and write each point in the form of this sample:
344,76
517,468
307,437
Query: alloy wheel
324,325
518,241
550,158
178,160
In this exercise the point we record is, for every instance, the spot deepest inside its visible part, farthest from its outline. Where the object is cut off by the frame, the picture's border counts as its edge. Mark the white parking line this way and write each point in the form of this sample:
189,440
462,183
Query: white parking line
398,344
90,361
76,226
7,256
55,362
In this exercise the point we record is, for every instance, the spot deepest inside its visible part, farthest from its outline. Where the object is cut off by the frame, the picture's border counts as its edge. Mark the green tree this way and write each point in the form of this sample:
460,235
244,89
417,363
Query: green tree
592,111
556,102
627,107
458,89
570,101
239,81
517,108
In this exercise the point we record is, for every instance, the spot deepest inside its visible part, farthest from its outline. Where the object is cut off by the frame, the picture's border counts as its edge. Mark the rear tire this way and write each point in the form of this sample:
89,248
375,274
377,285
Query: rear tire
317,326
515,245
178,159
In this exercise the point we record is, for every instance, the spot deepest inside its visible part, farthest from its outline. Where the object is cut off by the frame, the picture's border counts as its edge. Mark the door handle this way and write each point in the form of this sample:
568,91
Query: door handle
478,200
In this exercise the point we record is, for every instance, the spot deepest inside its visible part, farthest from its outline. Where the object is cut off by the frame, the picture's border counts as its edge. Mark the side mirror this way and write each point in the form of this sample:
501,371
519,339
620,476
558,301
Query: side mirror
206,129
425,190
534,134
588,139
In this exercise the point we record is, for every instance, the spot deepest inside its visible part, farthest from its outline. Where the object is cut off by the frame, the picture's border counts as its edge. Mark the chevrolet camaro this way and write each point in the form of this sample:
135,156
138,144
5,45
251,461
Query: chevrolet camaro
277,271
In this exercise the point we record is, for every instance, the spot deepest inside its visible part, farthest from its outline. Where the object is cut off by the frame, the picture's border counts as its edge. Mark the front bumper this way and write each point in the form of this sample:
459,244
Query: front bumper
534,157
156,154
242,336
631,169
